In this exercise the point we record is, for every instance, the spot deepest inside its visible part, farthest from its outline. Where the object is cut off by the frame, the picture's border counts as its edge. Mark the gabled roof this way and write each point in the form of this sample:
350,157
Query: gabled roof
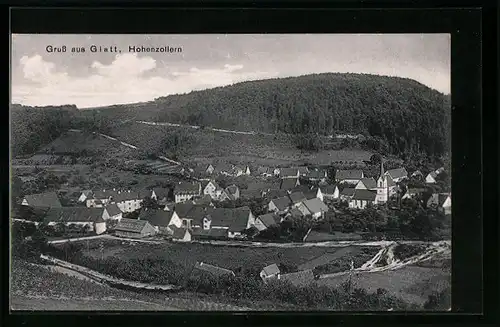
300,278
158,217
161,192
303,170
269,219
187,188
328,189
348,174
182,209
289,172
214,183
221,217
74,215
131,225
130,196
112,209
271,270
204,200
240,219
47,200
315,206
369,183
397,173
288,183
417,172
297,197
178,233
87,192
104,194
212,232
365,195
347,191
296,213
214,270
438,198
282,203
232,189
317,174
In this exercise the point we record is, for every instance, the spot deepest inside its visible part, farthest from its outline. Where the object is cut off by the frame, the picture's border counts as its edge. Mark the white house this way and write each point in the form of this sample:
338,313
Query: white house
185,191
280,205
330,192
213,190
366,184
362,198
349,176
77,216
85,195
112,211
314,207
269,272
129,201
397,174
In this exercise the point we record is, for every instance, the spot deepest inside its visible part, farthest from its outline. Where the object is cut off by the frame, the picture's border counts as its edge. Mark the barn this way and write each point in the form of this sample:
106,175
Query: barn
134,228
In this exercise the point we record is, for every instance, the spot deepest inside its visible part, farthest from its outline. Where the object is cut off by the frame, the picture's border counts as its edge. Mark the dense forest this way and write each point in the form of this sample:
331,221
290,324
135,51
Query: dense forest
397,115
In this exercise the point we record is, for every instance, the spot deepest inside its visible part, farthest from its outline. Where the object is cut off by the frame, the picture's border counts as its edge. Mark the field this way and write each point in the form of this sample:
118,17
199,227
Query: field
411,283
35,287
230,257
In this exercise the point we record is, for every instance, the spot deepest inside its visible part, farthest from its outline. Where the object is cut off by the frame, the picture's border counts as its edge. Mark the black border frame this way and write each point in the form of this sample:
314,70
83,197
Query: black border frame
474,104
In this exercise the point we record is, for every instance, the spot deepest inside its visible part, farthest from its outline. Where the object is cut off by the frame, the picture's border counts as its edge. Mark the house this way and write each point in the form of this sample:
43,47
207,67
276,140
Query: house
213,270
265,221
314,192
204,200
247,171
112,211
134,228
77,216
442,201
317,176
84,196
42,200
185,191
349,176
411,193
129,201
330,192
300,278
169,206
297,198
431,178
266,171
289,173
280,205
361,198
232,192
213,190
159,219
397,174
417,174
243,219
228,170
303,171
271,271
209,170
188,215
314,207
346,194
160,195
289,183
294,213
98,199
181,234
366,184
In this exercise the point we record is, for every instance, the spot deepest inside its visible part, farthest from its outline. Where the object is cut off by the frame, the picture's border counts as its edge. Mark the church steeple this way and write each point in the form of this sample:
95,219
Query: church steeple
382,167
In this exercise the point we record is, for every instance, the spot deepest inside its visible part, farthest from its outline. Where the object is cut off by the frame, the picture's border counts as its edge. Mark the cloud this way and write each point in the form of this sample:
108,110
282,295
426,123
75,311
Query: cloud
122,81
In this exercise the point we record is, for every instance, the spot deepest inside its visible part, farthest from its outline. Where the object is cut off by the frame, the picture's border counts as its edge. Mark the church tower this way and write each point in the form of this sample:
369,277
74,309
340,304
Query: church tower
382,185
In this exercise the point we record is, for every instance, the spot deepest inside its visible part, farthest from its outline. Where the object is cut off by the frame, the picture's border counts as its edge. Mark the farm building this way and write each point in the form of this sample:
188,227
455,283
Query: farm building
134,228
213,190
129,201
233,192
243,219
265,221
397,174
442,201
180,234
77,216
185,191
349,176
361,198
289,173
314,207
297,198
317,176
280,205
330,192
289,183
412,193
42,200
160,195
346,193
159,219
112,211
271,271
213,270
366,184
84,196
300,278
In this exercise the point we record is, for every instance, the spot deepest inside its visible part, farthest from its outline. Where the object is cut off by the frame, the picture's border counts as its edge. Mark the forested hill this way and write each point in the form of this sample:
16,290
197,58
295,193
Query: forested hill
404,114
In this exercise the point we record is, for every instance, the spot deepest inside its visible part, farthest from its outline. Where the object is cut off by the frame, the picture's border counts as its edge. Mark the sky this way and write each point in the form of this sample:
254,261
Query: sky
40,77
